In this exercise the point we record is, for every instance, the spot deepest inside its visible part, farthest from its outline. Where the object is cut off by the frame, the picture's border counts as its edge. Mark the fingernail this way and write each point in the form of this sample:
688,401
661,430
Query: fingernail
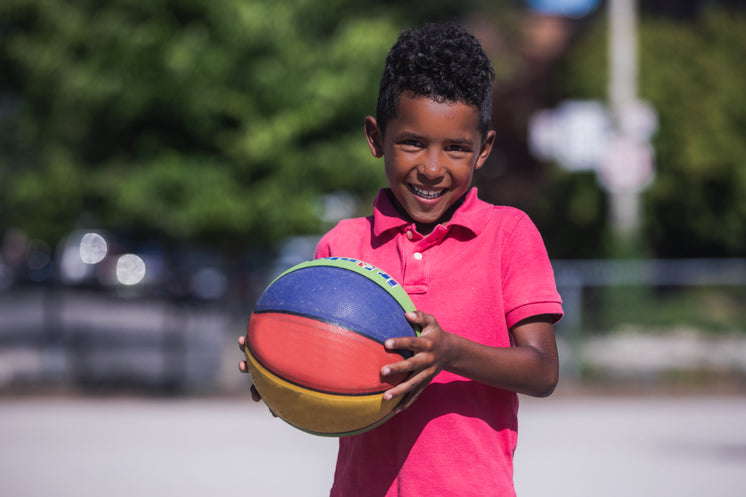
385,371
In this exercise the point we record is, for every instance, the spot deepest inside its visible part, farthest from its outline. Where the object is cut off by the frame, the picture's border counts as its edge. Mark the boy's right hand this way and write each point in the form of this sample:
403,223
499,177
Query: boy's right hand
245,369
433,350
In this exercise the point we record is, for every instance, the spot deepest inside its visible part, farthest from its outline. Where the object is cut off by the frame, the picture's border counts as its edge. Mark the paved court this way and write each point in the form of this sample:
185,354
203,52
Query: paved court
645,447
569,446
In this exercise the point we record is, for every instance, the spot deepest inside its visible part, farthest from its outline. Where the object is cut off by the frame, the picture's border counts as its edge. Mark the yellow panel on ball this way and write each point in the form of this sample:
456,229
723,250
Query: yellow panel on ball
316,412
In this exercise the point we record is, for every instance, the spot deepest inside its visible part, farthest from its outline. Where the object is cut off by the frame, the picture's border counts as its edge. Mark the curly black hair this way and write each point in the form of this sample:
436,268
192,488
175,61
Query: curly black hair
440,61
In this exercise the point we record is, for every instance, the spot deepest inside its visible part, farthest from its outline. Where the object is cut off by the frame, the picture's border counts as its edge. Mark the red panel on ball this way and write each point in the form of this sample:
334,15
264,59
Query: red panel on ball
319,355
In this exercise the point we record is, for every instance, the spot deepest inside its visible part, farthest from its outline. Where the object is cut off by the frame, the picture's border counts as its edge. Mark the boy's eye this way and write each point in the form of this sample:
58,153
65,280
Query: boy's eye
457,148
411,143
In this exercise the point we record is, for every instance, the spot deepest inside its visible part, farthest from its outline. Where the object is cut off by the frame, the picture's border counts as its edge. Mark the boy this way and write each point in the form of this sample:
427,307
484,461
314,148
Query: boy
478,274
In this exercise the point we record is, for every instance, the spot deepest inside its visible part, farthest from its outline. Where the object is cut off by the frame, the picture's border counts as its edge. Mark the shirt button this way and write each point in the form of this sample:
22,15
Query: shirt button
418,256
410,234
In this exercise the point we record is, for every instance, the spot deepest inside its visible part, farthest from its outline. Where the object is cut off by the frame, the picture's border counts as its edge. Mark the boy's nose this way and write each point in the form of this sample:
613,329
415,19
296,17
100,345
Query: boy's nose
430,167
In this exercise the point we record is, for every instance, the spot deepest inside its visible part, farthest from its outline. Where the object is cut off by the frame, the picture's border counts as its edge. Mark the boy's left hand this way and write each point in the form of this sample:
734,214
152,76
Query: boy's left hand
432,351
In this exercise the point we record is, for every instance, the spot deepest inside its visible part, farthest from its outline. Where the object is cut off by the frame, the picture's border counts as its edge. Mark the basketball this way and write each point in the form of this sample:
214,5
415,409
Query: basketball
314,345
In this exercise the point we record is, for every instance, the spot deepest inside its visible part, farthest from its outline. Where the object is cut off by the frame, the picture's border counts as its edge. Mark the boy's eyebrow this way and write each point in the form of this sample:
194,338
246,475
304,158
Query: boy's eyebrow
407,135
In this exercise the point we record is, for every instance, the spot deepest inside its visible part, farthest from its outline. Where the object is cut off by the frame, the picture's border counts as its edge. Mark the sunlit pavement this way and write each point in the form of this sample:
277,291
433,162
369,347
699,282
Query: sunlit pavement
641,446
569,445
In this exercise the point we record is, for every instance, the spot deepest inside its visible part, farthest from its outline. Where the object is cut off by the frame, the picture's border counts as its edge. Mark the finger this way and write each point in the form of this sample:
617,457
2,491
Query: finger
414,316
415,383
397,391
416,344
242,342
400,343
255,396
410,388
397,368
243,367
419,318
420,360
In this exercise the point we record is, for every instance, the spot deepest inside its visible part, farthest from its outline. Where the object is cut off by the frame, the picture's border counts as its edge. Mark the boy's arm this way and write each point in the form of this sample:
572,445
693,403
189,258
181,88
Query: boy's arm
530,367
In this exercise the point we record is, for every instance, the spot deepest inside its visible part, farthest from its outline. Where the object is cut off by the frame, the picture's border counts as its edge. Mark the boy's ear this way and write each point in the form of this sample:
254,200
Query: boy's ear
485,149
374,137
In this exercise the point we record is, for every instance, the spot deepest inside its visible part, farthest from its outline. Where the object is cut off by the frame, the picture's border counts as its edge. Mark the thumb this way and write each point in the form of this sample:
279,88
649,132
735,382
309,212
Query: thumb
418,319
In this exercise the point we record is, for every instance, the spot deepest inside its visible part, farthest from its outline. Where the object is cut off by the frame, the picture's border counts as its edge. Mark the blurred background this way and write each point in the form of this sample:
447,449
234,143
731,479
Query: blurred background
162,161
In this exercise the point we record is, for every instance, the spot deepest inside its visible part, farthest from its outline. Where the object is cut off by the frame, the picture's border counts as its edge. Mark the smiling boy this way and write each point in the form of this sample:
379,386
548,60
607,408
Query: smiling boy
478,275
430,150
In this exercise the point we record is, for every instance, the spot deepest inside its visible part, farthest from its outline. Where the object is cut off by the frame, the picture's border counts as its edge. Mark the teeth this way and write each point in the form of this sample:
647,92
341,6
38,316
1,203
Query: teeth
427,194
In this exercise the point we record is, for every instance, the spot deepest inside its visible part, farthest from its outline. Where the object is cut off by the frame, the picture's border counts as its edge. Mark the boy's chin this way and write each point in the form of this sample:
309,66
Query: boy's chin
425,220
431,218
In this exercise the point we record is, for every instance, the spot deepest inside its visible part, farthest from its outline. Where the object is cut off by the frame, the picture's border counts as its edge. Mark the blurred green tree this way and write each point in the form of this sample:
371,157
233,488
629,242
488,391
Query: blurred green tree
692,72
221,122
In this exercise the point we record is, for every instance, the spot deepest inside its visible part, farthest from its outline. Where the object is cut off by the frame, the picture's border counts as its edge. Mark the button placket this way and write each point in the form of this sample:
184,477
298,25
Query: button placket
414,268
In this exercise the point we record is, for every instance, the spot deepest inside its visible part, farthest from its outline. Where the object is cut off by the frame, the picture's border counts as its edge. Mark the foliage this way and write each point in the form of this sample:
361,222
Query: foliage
225,122
221,122
693,74
572,217
614,308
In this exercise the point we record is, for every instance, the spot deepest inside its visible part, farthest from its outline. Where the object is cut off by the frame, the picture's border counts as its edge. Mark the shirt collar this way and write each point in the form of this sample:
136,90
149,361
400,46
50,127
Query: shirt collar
386,216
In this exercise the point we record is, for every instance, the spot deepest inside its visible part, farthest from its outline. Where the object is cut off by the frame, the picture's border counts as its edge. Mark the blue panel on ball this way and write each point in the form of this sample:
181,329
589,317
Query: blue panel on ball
336,295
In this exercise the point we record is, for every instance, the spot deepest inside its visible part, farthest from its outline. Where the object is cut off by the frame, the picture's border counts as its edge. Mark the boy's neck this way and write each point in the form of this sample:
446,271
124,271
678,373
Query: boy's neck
425,228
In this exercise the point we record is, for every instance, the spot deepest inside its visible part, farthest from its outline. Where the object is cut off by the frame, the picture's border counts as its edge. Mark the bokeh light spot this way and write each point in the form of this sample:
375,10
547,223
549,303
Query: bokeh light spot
93,248
130,269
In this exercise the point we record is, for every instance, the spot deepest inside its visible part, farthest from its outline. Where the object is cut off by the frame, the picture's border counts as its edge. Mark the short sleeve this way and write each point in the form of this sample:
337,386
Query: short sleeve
529,288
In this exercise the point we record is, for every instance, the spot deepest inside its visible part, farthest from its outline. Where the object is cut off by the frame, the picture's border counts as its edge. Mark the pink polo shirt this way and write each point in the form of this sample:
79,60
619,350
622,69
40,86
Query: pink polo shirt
479,274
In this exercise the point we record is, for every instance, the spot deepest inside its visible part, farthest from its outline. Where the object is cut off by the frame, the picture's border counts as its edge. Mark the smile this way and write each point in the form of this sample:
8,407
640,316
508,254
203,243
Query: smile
427,194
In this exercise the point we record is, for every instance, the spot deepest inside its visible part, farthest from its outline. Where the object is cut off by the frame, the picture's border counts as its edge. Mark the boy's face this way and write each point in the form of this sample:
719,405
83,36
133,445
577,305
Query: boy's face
430,152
